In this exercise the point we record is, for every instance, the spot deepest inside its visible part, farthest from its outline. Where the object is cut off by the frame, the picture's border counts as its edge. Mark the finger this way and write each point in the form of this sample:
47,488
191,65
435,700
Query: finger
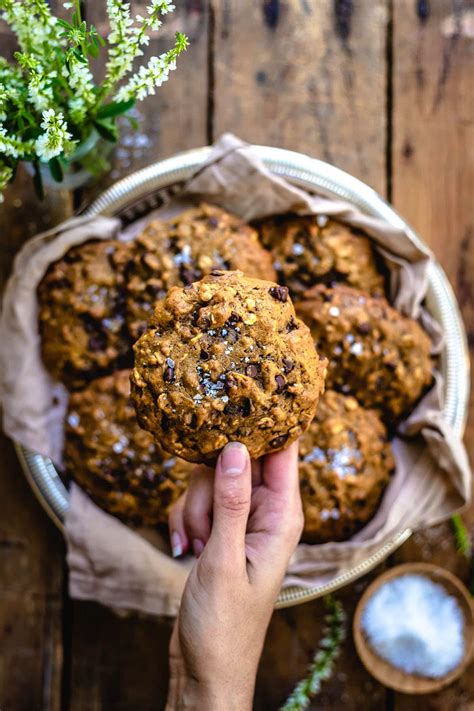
232,495
198,508
256,472
280,470
178,538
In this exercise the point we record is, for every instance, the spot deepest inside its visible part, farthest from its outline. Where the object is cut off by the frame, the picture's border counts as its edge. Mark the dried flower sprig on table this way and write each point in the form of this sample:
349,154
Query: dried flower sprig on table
321,668
49,101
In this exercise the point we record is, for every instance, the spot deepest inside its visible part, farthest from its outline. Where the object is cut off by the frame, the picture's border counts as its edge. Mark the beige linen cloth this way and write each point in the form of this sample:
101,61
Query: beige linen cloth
126,569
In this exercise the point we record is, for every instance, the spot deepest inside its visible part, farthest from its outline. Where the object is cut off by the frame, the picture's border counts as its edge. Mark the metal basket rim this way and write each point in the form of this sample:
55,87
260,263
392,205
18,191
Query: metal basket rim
320,176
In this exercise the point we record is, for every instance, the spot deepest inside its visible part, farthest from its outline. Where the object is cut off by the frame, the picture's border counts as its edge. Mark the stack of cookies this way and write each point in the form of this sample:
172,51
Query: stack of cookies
222,354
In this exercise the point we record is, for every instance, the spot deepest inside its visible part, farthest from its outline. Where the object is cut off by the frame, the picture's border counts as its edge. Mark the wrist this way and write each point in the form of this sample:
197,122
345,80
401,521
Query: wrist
188,694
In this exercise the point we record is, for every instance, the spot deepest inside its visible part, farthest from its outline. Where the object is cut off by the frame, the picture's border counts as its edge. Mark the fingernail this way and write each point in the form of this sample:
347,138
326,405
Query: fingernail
176,545
198,547
234,459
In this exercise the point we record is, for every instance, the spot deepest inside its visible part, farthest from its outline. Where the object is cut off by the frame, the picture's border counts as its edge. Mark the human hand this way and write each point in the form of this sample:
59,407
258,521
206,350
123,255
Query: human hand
244,522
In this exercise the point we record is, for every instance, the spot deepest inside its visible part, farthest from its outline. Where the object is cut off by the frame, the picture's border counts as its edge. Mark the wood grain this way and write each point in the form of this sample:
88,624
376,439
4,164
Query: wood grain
114,663
31,549
117,663
292,640
433,183
175,119
310,76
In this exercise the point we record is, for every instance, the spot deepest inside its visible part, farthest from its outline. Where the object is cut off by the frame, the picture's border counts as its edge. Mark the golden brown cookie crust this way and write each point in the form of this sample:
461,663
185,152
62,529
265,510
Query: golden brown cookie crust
225,359
114,460
183,250
345,463
375,353
314,249
82,313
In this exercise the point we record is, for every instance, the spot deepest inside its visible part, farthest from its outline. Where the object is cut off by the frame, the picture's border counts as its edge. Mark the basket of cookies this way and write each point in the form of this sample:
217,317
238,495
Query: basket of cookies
234,293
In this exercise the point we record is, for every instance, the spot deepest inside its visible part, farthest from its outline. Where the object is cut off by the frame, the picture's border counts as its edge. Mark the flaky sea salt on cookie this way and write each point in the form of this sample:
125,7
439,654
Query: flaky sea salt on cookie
225,359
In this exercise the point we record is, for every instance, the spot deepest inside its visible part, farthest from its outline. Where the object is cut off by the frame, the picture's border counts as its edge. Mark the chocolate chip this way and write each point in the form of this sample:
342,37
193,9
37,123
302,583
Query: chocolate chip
391,365
213,222
165,423
217,273
232,409
251,370
168,374
291,325
204,355
365,327
279,441
188,276
280,293
230,382
288,365
98,342
63,283
246,407
280,383
194,421
233,319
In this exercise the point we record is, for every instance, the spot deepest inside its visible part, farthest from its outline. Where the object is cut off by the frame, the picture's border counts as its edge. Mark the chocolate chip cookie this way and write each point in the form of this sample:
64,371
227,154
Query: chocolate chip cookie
345,463
82,313
185,249
375,353
114,460
225,359
311,249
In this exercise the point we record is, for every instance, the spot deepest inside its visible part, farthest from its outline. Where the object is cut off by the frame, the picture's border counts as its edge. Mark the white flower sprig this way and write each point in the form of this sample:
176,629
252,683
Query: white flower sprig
321,668
49,100
51,143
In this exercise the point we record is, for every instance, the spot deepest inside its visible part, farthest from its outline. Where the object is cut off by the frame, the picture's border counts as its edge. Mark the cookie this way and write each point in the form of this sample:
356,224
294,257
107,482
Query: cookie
225,359
185,249
345,463
375,353
82,313
114,460
309,250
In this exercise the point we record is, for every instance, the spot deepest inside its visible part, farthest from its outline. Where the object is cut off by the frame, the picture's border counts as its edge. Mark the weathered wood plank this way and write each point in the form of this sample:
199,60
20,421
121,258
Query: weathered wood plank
122,664
31,578
175,119
117,663
433,182
310,76
31,549
292,640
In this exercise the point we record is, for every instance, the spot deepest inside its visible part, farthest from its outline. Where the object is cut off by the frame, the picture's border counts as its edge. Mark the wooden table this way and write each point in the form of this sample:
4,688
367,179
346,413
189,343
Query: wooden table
380,88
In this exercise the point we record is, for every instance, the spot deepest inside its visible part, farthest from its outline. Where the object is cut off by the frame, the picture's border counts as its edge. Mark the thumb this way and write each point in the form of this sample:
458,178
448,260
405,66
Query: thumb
232,496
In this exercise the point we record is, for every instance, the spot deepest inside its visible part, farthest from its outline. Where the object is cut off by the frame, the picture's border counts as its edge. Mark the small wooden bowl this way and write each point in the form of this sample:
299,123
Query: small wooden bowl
389,675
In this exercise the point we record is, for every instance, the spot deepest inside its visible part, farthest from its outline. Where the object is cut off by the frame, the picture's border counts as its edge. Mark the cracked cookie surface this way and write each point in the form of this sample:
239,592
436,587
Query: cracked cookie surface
345,463
114,460
82,312
375,354
314,249
225,359
185,249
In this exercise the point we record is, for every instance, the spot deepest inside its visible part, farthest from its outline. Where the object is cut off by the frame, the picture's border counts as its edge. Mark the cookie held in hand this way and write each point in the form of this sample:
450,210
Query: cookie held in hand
225,359
114,460
345,463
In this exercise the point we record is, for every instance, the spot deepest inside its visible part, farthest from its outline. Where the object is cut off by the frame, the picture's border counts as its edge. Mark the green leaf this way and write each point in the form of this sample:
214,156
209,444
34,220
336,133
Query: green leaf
107,130
461,536
38,181
56,169
115,108
63,23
